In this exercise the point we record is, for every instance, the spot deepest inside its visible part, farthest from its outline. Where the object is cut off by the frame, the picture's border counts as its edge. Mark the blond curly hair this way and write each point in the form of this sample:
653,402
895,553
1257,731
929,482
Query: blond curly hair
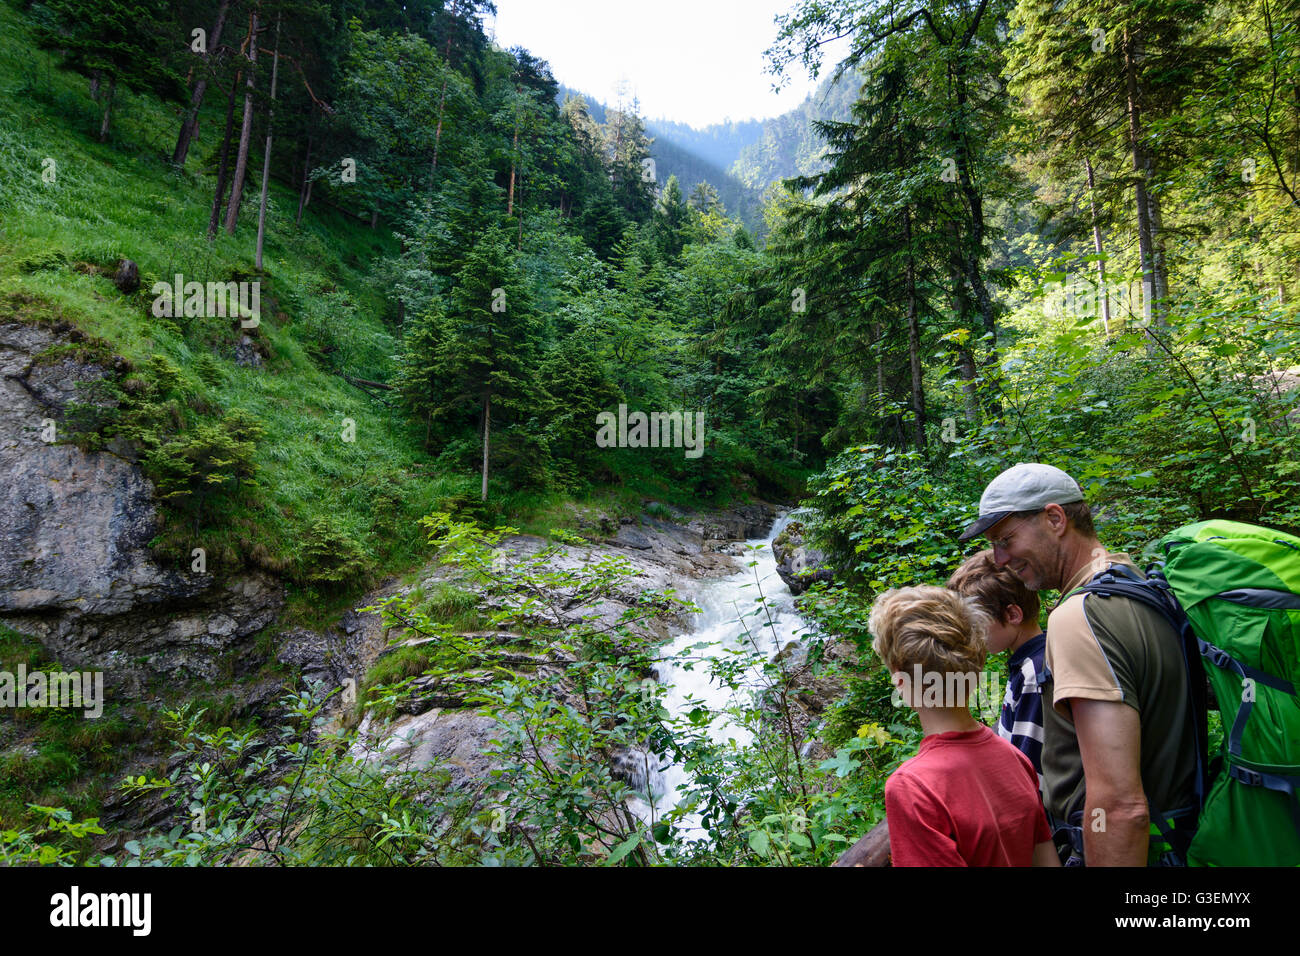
938,629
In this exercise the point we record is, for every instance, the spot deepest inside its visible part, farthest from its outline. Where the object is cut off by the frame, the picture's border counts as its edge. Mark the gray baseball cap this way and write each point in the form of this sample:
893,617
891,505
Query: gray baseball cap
1022,487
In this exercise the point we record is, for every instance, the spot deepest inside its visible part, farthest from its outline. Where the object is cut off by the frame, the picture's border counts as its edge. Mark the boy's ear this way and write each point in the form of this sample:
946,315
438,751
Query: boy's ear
1013,615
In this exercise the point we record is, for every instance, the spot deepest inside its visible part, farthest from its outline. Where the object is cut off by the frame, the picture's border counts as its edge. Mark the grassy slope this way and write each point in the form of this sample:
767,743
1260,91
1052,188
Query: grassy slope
122,199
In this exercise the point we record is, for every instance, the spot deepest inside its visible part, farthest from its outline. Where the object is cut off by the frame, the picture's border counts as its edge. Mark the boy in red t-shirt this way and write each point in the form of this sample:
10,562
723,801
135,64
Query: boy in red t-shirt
968,798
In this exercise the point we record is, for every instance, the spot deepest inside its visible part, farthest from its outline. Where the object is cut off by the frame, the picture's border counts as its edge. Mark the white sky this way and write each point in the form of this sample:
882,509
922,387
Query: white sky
693,61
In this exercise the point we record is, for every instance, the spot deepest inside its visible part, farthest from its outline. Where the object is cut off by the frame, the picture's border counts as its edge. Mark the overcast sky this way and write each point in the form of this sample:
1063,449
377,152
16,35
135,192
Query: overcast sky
694,61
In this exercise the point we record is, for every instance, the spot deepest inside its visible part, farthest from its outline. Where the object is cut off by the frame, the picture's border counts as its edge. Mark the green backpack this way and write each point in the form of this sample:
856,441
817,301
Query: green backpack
1231,591
1239,586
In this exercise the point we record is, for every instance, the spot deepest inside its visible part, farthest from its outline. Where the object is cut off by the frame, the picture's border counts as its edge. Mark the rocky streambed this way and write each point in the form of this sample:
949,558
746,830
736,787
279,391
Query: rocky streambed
704,558
676,553
77,574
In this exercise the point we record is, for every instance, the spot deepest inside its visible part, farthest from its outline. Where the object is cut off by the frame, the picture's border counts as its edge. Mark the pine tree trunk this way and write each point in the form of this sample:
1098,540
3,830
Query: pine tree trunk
1140,169
961,308
1295,102
510,197
442,105
223,165
266,160
1102,291
616,168
245,132
487,438
304,192
914,341
797,422
1295,153
1159,263
975,242
108,109
200,88
877,334
969,389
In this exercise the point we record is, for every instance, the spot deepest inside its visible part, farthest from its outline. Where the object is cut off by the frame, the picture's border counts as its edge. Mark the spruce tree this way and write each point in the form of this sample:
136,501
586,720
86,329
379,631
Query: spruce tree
488,357
628,149
422,381
671,218
132,42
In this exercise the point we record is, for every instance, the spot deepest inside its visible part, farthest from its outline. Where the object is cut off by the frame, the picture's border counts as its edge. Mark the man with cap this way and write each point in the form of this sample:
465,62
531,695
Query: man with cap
1119,752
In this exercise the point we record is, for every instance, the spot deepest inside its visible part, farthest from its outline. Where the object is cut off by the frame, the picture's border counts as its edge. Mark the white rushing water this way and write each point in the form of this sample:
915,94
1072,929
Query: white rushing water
722,602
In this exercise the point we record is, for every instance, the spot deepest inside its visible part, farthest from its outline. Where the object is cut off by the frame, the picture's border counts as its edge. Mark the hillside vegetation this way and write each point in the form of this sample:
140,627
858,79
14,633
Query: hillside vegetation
1021,231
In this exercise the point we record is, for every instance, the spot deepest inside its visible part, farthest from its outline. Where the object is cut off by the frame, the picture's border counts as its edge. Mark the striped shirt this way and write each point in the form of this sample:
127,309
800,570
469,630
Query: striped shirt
1021,720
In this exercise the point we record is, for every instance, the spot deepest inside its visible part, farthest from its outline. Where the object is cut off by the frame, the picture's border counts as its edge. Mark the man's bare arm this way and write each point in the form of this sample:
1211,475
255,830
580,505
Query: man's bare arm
1110,743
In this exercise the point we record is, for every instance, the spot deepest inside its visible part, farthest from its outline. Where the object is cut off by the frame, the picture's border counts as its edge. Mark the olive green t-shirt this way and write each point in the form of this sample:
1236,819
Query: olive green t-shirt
1115,649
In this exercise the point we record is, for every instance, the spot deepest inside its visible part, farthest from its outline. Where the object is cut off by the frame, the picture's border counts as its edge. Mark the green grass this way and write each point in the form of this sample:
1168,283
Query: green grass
448,604
402,663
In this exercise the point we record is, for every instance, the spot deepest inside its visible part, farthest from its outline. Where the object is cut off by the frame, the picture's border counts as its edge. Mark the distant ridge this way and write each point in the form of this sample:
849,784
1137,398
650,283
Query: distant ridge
788,145
742,159
695,156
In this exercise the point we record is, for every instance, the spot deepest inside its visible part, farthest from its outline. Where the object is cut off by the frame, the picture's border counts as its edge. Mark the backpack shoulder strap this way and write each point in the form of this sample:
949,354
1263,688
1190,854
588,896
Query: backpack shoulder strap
1119,580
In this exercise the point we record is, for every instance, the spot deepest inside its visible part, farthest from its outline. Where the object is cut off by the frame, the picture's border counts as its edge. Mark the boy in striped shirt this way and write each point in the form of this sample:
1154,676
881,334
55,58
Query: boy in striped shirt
1013,609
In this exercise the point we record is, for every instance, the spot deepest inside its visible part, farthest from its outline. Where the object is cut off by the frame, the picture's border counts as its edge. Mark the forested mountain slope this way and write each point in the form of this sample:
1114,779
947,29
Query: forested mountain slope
298,296
789,145
700,156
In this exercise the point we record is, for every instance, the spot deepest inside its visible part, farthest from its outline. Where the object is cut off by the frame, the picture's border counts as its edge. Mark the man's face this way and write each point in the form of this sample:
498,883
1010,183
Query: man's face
1024,546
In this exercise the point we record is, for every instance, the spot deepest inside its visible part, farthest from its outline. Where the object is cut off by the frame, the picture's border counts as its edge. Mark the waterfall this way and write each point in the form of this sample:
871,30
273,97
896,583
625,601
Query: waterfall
722,601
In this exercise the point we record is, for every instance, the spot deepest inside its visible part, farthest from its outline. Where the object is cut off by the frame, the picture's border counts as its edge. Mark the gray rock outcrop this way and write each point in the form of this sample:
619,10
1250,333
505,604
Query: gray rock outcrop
799,564
75,566
127,277
331,657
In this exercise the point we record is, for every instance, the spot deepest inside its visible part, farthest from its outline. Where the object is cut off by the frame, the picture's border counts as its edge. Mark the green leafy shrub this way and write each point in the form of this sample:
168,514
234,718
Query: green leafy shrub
213,459
328,325
32,846
884,521
331,555
291,795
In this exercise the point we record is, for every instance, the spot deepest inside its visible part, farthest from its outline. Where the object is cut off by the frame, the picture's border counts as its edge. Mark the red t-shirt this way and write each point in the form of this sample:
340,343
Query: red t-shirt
967,798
